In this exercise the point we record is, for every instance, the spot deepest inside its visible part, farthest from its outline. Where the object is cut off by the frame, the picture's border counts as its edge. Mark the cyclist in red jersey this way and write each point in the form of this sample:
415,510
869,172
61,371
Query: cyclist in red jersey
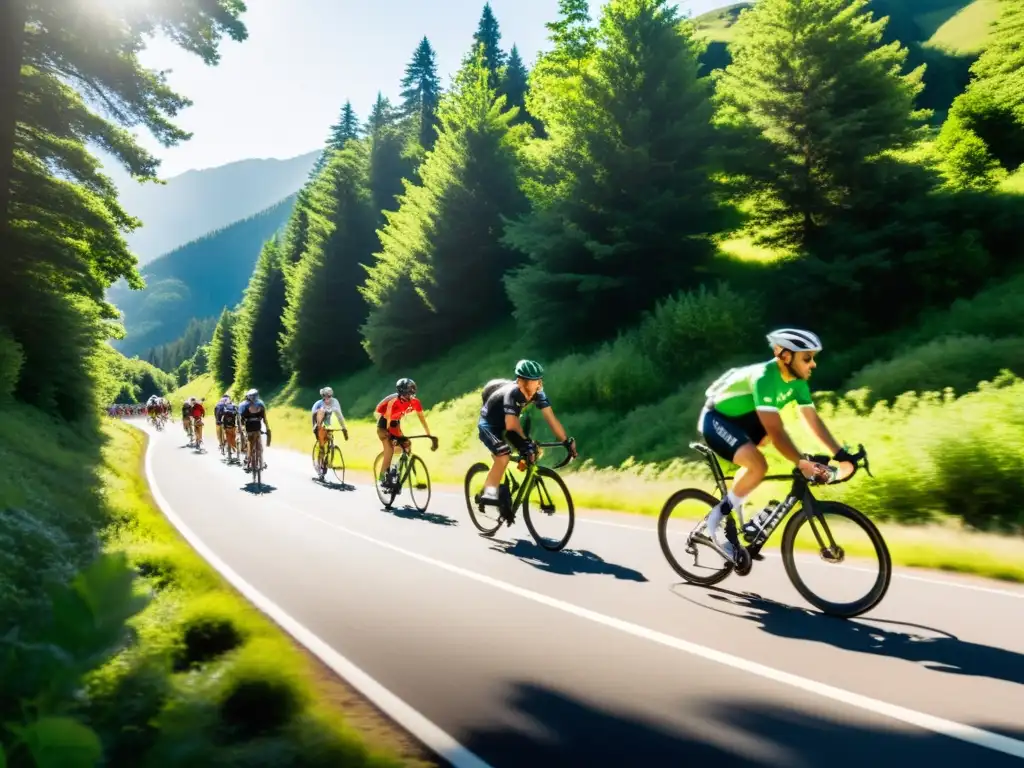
390,411
198,412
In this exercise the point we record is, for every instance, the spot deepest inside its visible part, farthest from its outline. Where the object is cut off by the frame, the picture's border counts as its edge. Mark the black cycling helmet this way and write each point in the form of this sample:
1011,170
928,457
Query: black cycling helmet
530,370
405,387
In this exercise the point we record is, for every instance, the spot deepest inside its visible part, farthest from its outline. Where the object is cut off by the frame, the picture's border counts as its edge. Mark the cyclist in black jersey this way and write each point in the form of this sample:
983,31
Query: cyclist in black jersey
503,403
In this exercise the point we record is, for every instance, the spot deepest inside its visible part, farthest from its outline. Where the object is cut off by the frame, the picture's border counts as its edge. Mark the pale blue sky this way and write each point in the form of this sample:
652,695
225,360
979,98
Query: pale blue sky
277,93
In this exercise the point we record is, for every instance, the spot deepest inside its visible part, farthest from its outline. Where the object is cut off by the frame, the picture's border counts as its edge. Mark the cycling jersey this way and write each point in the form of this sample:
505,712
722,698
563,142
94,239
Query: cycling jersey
186,411
251,414
334,407
198,411
400,407
228,415
759,387
507,399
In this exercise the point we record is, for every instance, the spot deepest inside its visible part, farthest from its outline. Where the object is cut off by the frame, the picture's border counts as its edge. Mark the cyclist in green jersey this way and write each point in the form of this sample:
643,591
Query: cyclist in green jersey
742,414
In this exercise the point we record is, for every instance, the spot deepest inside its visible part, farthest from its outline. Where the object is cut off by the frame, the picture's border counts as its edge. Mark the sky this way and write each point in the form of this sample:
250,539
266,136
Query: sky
276,94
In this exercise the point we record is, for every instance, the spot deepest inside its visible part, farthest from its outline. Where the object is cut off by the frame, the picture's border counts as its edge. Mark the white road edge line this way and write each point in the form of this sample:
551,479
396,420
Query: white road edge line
967,733
403,714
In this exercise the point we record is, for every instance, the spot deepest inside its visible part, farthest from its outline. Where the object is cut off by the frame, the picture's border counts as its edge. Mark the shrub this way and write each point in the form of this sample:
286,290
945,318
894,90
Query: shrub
260,692
11,359
210,627
959,362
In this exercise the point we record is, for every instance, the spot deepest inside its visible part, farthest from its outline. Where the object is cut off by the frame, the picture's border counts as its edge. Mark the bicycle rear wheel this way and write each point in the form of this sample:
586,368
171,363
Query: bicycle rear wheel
549,506
826,522
486,518
387,497
419,483
689,506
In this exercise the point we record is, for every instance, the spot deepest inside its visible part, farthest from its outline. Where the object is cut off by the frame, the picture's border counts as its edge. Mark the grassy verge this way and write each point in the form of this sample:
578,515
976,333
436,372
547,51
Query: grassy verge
932,455
204,678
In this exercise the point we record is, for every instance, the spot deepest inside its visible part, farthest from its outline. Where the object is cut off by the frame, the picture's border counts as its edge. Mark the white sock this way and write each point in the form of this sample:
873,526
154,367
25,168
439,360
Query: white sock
491,492
715,516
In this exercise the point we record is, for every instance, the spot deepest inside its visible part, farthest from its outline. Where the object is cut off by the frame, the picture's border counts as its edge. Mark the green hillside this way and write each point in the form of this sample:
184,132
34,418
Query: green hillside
195,281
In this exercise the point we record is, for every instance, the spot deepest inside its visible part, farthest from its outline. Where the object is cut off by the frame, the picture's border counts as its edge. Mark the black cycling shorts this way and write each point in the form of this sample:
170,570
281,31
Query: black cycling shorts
495,444
726,435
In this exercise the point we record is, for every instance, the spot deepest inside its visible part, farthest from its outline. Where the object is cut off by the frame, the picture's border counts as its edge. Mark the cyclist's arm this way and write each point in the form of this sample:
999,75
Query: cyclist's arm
817,428
423,421
780,438
554,424
336,408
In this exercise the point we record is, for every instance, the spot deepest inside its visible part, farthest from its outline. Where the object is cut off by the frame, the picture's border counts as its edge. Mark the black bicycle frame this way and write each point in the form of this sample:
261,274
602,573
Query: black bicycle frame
404,462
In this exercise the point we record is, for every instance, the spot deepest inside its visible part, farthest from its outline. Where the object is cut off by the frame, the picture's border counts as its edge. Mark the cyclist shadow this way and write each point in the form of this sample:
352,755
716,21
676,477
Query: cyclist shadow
258,490
411,513
332,486
934,649
567,562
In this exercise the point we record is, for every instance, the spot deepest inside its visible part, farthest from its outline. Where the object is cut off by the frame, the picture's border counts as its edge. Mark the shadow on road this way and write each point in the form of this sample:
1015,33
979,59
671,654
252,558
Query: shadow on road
331,485
933,648
546,727
411,513
566,562
258,490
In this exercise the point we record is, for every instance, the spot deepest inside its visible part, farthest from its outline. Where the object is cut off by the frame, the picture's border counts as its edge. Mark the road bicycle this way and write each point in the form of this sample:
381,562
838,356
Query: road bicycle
812,513
533,494
411,470
255,465
329,456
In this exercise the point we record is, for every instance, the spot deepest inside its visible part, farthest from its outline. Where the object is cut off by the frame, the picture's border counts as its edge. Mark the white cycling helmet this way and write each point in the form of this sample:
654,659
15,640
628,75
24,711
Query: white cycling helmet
252,394
794,340
326,392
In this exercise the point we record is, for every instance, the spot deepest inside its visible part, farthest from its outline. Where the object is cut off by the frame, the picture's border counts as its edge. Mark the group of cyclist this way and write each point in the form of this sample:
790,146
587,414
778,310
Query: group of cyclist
739,418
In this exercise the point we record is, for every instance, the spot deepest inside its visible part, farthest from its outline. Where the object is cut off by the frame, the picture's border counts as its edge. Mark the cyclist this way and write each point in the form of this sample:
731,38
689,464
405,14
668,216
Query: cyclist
323,409
198,412
503,403
252,413
186,416
390,411
741,414
217,410
227,420
151,409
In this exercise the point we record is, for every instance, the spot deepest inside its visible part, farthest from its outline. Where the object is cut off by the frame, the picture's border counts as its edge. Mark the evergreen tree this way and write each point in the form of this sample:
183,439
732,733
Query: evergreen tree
626,219
573,36
811,98
437,278
258,326
296,232
489,36
346,128
222,350
324,308
515,85
983,138
421,89
382,114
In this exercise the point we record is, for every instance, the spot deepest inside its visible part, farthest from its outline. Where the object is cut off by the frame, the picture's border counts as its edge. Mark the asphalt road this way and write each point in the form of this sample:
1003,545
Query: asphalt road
497,653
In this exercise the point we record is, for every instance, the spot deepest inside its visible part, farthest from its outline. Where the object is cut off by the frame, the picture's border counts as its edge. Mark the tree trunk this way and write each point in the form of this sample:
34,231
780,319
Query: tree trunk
12,24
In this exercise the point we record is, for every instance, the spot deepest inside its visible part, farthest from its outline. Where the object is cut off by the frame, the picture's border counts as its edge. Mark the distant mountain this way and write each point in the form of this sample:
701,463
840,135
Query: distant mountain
195,281
197,202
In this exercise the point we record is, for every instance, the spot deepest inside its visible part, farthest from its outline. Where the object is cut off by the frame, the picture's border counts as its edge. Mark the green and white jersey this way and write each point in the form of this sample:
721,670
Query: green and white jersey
760,387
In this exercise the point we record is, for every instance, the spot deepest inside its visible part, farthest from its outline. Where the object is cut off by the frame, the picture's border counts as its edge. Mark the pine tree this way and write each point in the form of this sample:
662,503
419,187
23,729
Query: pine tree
983,138
222,350
421,89
515,85
346,128
296,231
258,326
441,245
626,216
390,161
811,97
489,36
573,36
324,308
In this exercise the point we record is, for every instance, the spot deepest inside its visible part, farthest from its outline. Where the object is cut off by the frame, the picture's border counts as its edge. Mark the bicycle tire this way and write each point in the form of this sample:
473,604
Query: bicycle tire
674,501
881,585
482,524
418,471
387,498
337,463
257,463
545,474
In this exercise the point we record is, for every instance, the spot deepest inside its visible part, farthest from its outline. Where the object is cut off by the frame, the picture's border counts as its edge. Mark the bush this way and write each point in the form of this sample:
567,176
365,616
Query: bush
11,359
958,362
260,692
210,627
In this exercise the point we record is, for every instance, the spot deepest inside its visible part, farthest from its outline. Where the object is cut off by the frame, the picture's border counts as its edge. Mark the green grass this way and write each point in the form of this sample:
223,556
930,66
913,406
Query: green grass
717,25
966,31
207,679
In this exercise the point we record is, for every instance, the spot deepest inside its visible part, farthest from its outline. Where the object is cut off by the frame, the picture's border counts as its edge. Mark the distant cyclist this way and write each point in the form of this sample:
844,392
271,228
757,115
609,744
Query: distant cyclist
390,411
323,410
198,414
217,410
186,416
742,413
503,403
227,421
252,415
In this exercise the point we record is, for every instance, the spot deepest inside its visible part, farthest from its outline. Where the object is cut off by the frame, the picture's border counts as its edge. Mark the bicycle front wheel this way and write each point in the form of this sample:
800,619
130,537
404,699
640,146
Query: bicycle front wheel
486,518
680,519
337,464
419,483
548,510
820,529
387,497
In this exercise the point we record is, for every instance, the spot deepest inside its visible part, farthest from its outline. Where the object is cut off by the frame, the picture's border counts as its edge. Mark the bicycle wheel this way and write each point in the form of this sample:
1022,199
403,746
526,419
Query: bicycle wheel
337,463
419,483
487,519
257,463
549,505
690,506
387,497
827,521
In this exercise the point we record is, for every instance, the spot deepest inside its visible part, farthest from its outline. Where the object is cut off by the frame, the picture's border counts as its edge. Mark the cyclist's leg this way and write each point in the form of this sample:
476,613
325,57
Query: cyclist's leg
731,440
500,452
389,450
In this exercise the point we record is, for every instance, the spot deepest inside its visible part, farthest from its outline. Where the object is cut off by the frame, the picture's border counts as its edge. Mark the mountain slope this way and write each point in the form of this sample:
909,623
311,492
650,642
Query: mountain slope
189,206
196,280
